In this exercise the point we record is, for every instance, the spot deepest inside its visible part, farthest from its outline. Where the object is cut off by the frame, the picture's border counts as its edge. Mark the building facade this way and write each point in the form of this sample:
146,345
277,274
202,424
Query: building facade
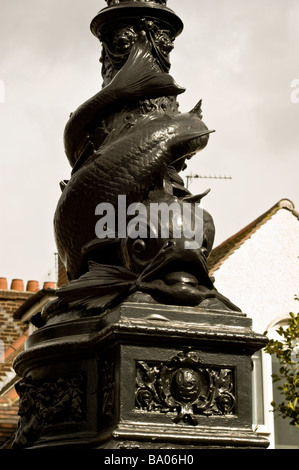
258,269
17,306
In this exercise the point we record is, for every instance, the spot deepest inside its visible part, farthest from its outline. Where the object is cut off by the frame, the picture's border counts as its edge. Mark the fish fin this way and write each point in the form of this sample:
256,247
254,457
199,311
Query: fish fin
83,157
197,110
63,184
139,76
197,198
97,288
97,243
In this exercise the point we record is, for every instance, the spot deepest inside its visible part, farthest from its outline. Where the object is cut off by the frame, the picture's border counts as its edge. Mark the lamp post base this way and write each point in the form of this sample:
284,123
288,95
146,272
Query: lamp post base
141,376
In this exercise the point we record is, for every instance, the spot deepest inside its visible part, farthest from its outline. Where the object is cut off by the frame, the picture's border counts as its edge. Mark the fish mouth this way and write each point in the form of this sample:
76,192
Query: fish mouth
173,286
175,279
180,277
188,276
173,266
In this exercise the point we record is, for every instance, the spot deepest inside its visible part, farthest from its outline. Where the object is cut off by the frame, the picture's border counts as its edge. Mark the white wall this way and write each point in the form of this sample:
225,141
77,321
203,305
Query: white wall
262,276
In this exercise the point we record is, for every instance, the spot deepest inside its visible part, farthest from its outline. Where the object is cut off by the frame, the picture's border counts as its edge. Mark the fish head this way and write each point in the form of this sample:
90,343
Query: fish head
190,135
171,248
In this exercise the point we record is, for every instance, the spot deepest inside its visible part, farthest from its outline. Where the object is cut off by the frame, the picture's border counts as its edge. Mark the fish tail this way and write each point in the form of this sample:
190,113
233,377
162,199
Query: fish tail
139,77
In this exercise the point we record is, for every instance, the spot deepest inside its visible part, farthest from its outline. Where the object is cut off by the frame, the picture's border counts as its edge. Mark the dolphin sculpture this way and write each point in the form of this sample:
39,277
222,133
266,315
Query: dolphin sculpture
130,161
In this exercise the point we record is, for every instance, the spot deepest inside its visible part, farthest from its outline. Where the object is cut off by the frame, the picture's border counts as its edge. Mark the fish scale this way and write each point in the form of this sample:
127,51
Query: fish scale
127,163
128,166
138,79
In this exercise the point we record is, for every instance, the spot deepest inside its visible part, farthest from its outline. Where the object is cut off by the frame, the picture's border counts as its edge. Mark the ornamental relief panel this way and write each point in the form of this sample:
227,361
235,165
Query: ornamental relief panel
47,403
186,387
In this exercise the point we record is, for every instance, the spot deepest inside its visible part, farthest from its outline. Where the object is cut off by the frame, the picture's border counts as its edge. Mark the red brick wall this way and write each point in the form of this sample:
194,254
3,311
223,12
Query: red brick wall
10,329
8,421
10,332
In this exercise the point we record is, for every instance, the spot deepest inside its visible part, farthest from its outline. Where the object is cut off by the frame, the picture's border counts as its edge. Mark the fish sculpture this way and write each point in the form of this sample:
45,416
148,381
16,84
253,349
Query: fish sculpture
162,270
139,159
130,161
138,79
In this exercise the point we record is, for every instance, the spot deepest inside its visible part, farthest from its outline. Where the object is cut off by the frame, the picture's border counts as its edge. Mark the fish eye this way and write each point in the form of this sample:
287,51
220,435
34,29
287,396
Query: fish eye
204,250
139,246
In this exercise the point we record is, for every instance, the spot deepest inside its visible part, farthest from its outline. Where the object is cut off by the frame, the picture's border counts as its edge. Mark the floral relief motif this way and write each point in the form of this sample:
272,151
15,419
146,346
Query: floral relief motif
185,387
117,46
108,388
47,403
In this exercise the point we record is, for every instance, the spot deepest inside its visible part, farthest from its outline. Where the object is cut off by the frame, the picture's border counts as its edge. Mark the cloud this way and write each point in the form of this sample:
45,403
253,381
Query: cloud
238,56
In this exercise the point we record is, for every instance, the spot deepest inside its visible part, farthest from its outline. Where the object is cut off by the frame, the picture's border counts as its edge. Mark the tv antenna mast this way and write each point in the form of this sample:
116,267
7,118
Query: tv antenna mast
190,177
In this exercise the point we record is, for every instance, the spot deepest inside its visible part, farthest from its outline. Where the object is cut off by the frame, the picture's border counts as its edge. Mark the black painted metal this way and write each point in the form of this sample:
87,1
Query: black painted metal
139,350
140,376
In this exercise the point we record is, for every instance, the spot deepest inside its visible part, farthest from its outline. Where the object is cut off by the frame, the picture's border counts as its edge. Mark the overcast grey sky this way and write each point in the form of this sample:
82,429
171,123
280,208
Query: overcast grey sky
240,57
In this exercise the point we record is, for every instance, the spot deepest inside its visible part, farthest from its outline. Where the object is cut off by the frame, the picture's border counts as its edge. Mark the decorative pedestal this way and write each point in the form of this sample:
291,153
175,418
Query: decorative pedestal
142,376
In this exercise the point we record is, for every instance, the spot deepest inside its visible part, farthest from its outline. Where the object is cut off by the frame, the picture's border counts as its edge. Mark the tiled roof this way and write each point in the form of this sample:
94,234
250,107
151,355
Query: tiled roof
7,374
13,334
9,418
14,302
225,249
9,400
32,302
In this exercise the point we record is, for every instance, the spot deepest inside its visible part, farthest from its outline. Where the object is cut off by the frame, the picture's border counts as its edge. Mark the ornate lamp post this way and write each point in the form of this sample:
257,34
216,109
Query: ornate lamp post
139,350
